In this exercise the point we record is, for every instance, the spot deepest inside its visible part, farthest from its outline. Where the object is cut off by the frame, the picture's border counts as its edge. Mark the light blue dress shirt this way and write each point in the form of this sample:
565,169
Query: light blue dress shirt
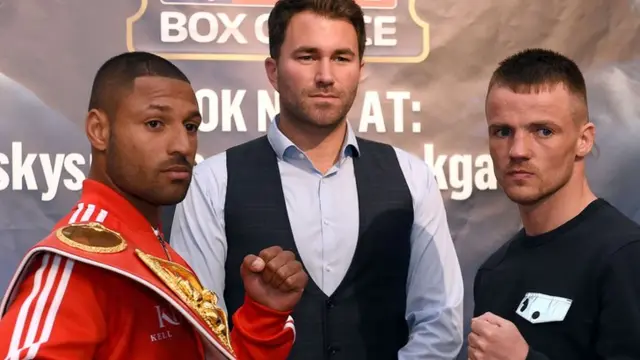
323,210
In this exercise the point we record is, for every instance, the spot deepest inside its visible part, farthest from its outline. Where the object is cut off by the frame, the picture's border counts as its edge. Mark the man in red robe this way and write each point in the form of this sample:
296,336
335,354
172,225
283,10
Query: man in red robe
104,284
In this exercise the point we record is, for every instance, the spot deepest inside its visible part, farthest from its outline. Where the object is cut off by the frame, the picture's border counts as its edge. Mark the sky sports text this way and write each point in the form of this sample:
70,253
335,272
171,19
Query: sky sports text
48,174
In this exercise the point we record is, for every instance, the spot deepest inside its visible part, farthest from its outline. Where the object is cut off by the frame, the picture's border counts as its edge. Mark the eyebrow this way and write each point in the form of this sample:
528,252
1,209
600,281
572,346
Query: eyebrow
194,114
543,123
309,49
345,51
546,123
499,126
191,115
159,107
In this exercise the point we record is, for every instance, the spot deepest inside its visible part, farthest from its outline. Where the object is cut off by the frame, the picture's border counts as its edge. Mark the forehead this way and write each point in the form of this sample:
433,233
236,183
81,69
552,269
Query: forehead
157,90
553,104
308,29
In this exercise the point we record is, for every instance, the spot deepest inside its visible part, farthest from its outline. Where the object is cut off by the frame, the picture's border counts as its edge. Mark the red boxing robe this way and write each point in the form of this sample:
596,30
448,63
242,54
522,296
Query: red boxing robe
67,301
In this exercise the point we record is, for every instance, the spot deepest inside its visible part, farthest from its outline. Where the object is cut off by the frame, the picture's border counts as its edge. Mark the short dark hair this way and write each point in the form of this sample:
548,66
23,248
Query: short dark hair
532,70
118,74
284,10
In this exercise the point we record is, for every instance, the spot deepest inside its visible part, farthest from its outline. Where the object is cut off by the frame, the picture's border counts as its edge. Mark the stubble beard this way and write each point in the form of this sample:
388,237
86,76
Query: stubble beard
131,181
541,194
310,116
305,115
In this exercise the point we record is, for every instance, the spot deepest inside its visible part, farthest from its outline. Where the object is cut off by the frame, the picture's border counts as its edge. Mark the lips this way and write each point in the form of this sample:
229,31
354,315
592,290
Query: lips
178,169
519,172
325,96
178,172
519,175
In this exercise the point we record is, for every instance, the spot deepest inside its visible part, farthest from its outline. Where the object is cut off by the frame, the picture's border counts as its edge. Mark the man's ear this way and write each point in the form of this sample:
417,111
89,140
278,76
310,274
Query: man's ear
271,68
586,139
98,129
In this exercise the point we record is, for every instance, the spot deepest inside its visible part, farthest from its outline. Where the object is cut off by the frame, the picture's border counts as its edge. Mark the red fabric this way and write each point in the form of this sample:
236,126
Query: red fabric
65,309
258,332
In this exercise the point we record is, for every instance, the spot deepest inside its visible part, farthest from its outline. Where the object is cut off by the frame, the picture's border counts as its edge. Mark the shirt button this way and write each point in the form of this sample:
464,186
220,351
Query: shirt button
327,268
325,222
301,156
330,304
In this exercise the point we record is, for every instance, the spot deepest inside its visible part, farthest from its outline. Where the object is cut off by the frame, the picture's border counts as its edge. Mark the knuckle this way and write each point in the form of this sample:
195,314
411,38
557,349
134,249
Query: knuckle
282,272
481,345
290,282
270,253
264,253
272,266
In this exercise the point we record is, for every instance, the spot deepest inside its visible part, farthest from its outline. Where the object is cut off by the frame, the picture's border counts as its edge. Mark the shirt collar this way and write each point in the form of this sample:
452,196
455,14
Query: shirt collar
104,197
281,144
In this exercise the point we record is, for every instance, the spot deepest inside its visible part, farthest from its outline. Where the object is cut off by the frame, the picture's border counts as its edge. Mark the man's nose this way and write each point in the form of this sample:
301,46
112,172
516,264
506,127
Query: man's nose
324,73
181,142
520,146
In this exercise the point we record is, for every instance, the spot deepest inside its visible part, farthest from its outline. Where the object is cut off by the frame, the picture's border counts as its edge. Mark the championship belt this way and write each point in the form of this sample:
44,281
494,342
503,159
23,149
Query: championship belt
175,283
188,288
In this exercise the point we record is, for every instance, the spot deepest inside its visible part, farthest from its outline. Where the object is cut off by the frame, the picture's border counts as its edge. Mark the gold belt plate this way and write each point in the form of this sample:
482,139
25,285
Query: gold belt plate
187,287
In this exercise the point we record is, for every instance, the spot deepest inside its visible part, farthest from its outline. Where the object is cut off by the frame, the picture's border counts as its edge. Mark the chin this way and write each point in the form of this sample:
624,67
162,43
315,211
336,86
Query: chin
323,117
326,120
168,201
327,124
523,196
170,198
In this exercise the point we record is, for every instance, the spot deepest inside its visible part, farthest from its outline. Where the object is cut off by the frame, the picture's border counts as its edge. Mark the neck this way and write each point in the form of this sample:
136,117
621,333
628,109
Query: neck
149,211
321,145
562,206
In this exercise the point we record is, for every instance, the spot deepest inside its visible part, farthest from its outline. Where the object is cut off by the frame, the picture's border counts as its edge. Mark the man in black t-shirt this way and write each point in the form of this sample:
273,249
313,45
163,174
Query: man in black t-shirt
567,286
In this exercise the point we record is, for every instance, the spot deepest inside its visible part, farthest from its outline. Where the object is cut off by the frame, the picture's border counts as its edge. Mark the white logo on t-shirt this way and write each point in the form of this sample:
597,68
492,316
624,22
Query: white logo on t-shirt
540,308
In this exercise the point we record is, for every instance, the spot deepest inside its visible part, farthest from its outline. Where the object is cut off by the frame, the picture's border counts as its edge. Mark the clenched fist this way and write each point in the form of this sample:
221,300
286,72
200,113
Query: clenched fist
495,338
274,278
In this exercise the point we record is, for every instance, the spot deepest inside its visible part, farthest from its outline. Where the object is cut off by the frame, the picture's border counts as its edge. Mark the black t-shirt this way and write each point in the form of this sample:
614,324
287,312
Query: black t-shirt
574,292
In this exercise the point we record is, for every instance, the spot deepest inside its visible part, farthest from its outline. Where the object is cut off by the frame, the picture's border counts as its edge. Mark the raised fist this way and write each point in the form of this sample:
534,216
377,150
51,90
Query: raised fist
274,278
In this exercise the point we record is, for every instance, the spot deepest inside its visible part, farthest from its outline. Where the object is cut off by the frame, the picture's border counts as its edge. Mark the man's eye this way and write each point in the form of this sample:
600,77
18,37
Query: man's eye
545,132
191,127
504,132
154,124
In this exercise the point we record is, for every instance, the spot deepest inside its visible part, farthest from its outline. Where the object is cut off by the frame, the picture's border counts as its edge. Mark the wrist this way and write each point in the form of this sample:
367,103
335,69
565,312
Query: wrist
260,323
254,308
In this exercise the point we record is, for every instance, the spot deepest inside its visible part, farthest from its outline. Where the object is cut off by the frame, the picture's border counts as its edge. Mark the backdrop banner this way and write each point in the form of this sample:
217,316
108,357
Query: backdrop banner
428,65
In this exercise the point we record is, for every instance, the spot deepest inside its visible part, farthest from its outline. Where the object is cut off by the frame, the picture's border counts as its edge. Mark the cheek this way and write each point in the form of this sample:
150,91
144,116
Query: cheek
355,78
499,155
561,158
131,153
287,89
348,78
293,79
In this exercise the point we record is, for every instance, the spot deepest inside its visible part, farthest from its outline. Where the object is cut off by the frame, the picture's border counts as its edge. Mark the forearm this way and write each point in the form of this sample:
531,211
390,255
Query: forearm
439,338
261,333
